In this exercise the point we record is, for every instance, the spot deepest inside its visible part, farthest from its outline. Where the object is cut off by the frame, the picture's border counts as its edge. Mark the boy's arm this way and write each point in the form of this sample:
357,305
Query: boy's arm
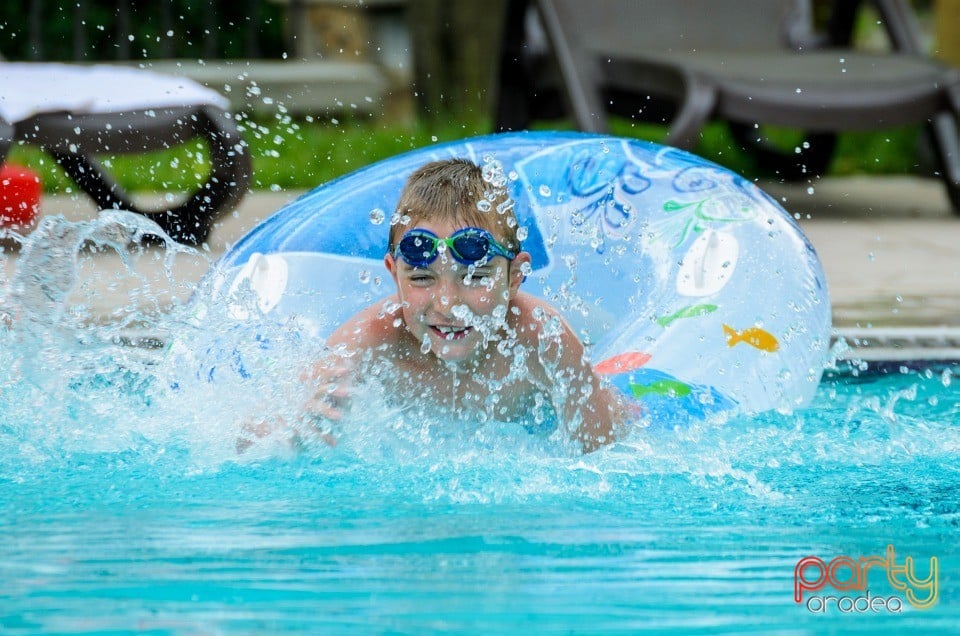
596,412
599,411
332,376
330,380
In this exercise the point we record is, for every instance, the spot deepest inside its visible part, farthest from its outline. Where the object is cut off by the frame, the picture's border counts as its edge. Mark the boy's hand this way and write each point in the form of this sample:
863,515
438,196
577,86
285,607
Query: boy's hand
250,432
331,382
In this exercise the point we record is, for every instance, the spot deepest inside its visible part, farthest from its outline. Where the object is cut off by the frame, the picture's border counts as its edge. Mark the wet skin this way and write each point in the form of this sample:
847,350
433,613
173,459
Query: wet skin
469,341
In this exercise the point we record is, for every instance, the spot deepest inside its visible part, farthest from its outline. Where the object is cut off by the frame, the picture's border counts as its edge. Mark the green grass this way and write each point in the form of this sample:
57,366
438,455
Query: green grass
292,153
893,151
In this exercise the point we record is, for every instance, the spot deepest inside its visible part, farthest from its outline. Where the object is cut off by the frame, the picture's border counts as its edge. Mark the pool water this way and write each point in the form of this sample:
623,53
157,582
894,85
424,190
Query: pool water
125,507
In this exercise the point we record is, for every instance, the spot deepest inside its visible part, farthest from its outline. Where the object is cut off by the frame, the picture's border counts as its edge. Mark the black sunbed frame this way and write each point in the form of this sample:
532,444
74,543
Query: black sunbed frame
74,140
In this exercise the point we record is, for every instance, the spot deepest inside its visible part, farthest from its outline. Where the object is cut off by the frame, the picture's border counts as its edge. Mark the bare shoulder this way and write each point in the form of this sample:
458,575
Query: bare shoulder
540,327
533,315
368,329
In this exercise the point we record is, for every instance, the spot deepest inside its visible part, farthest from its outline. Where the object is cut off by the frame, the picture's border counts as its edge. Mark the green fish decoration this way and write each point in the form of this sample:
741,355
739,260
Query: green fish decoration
667,388
687,312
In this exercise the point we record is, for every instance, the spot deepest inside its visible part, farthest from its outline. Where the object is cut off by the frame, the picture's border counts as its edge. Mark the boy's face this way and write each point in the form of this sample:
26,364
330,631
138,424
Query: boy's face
450,308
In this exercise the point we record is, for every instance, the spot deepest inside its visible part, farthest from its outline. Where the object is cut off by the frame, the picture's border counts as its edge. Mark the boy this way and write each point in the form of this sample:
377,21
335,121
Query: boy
458,336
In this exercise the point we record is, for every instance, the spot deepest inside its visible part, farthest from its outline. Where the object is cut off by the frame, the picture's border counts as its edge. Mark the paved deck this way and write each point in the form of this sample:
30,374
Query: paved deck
890,249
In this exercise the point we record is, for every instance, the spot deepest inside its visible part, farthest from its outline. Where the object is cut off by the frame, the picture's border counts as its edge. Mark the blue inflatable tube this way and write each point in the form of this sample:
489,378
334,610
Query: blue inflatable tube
695,292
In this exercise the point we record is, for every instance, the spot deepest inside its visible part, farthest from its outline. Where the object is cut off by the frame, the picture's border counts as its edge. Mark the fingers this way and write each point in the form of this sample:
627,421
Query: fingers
330,398
331,382
326,407
252,431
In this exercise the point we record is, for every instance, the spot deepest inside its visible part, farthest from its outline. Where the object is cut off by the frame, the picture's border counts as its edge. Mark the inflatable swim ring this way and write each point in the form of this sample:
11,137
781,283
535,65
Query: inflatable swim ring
695,292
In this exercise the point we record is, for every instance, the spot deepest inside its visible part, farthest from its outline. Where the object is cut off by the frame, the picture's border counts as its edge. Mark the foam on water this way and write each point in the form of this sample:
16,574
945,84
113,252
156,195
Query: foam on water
123,486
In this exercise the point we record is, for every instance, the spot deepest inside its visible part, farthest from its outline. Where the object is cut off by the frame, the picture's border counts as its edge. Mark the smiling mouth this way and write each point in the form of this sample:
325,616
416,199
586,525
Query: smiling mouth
451,333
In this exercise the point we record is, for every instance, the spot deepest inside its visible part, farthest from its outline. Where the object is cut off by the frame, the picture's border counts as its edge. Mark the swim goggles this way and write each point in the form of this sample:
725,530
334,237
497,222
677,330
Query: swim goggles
469,246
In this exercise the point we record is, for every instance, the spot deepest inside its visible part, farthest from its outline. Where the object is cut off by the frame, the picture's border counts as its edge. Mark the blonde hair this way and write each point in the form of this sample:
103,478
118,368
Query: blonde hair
457,192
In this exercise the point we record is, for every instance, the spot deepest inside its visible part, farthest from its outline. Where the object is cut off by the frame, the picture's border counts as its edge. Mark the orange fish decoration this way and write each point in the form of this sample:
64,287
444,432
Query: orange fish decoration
622,362
753,336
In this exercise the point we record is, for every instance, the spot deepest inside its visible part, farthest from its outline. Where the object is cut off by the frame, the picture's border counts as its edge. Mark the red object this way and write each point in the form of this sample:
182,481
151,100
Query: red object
622,362
19,196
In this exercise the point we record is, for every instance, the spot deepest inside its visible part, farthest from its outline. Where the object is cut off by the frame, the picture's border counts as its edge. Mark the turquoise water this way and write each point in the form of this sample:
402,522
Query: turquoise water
125,507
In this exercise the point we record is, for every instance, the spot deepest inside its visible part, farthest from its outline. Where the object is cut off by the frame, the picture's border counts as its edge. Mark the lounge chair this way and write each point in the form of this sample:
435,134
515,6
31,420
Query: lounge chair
75,112
750,63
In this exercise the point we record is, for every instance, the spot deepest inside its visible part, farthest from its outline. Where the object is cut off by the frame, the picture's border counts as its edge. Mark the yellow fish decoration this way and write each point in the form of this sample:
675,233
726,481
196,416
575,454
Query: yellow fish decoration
753,336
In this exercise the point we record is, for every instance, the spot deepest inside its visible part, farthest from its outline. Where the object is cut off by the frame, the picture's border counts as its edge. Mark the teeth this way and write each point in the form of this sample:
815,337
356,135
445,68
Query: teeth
450,333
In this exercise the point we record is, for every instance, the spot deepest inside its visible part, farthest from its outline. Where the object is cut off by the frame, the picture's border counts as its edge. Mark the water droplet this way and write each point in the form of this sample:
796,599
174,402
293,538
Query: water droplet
377,216
483,205
522,233
544,190
364,276
493,172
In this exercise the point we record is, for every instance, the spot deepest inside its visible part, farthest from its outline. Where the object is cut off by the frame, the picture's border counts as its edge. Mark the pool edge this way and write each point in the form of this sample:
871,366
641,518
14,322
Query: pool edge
893,344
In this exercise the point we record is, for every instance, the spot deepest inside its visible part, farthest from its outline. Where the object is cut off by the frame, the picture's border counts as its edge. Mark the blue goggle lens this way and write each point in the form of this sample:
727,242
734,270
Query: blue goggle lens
469,246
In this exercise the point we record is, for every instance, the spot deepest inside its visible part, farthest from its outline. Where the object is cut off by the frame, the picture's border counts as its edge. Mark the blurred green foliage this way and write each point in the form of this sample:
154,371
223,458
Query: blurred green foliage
89,30
300,153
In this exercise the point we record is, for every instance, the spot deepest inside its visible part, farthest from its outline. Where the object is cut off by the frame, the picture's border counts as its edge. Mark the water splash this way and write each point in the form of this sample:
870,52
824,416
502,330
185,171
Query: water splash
75,391
48,267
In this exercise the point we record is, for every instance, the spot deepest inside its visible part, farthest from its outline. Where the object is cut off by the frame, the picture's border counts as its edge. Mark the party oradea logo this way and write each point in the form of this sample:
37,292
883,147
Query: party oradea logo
856,586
